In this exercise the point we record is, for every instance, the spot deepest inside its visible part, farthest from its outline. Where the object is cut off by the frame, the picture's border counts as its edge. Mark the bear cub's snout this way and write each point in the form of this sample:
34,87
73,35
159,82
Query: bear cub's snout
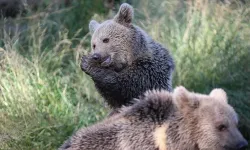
104,61
242,145
96,57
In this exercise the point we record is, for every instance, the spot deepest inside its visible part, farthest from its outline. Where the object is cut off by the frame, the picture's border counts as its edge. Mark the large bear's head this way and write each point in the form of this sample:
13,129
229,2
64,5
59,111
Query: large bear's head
214,120
111,40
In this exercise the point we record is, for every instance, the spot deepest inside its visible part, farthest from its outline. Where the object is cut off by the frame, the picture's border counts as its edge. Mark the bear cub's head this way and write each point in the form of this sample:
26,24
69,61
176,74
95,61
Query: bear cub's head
215,121
111,40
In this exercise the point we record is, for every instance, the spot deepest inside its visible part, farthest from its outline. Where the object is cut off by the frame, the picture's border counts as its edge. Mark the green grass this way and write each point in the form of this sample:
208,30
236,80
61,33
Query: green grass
41,103
45,97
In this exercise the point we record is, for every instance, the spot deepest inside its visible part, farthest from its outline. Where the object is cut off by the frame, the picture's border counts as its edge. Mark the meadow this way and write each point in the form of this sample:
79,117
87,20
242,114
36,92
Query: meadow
45,97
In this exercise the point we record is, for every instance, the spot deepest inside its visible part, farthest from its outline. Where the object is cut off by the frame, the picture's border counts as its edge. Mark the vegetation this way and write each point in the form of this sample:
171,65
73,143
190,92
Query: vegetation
45,97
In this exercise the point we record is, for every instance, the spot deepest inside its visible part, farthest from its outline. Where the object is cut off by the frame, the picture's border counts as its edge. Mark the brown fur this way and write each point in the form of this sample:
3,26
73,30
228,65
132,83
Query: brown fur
125,61
166,121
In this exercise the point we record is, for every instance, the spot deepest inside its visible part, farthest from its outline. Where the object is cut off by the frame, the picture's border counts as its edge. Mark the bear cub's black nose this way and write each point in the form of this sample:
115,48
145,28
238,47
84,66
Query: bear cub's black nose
96,56
242,145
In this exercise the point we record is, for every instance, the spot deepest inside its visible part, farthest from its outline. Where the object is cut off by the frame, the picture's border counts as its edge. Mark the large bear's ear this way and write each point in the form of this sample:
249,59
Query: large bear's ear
125,14
219,94
93,25
185,99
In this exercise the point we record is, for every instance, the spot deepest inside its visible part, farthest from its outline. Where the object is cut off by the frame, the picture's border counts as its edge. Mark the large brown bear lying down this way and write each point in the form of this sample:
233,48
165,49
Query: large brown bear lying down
160,120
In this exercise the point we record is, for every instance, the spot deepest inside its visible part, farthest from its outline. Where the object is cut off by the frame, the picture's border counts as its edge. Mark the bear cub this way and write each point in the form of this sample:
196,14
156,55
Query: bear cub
160,120
125,62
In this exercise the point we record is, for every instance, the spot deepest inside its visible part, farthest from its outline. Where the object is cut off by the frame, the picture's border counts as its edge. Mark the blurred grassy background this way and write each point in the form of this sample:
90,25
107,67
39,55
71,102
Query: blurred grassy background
45,97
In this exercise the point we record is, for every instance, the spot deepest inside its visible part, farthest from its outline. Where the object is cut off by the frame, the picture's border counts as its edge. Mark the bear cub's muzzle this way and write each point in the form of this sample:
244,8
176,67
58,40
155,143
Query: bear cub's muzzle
104,61
95,60
241,145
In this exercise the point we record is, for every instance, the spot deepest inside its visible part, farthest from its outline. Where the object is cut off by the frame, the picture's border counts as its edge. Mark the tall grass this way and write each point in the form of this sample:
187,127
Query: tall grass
45,97
44,94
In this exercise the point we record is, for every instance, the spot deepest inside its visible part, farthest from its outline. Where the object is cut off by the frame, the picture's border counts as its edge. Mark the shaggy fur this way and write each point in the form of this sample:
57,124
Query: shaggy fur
125,61
164,121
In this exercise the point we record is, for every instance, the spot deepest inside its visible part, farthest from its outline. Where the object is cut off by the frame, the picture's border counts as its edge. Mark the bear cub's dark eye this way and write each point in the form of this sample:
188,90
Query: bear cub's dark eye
106,40
93,46
222,127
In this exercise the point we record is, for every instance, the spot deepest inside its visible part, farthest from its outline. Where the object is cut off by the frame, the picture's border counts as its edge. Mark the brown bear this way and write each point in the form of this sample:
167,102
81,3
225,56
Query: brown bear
125,62
160,120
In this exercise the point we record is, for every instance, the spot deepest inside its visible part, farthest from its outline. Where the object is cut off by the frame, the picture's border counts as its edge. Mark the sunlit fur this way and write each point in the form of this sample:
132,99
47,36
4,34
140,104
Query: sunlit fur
160,120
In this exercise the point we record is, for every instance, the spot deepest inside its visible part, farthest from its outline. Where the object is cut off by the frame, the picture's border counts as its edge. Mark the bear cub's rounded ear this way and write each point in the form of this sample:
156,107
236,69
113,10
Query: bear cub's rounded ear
184,99
93,25
219,94
125,14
